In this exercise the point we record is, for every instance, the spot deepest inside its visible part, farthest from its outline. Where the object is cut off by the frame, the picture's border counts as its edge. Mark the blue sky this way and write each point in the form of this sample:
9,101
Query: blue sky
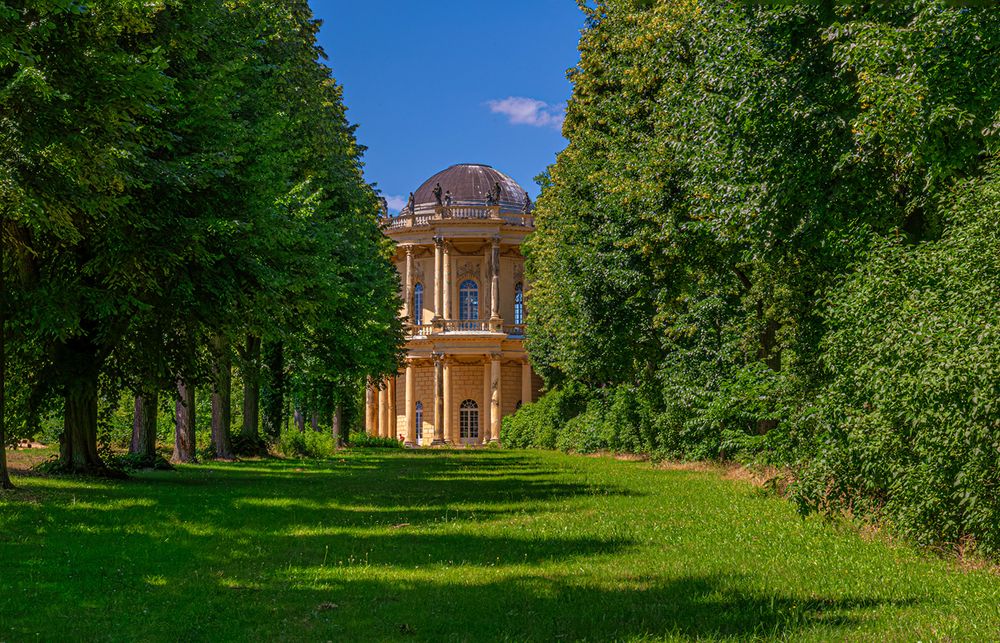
448,81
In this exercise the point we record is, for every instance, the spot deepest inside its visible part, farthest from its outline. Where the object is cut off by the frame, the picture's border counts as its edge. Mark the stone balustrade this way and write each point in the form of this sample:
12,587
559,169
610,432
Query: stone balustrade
426,216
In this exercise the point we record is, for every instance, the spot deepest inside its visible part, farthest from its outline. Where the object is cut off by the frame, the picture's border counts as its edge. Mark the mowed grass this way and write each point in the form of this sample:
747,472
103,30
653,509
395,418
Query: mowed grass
465,545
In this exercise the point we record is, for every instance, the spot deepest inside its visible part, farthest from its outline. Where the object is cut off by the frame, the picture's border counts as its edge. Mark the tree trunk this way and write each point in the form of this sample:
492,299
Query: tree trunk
250,368
184,428
144,426
300,420
5,482
222,400
315,422
338,417
78,443
273,388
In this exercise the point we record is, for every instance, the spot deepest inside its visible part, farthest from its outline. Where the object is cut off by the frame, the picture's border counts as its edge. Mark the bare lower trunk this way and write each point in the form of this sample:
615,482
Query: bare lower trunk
78,443
144,426
5,482
184,428
338,418
251,391
222,400
273,388
300,420
315,422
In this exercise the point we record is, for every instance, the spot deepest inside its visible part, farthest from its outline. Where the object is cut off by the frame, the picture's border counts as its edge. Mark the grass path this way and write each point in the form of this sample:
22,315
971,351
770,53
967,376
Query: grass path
471,546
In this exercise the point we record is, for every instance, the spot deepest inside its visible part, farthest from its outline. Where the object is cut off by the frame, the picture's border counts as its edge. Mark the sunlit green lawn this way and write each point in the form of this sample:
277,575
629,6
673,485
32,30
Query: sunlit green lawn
474,546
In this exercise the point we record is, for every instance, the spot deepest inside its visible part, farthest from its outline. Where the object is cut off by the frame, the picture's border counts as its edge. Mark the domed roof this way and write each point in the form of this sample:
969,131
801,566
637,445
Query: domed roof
469,184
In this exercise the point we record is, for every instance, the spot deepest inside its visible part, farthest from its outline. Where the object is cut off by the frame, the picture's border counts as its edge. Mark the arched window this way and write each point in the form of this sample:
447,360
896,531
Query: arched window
419,420
468,301
519,304
418,304
468,420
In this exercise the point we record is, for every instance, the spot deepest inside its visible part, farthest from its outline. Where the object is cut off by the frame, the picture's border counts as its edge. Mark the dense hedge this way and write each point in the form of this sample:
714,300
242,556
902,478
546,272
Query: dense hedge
772,237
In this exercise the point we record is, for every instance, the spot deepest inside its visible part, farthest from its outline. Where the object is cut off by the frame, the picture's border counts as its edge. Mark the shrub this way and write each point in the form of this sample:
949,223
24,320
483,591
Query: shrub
537,425
306,444
910,428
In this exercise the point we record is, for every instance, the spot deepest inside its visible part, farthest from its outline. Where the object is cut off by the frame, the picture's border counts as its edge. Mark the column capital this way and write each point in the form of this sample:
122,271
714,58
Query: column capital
495,241
439,240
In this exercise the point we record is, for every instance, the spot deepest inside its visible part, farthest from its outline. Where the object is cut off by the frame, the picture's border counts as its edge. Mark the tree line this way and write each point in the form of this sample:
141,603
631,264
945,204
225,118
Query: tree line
773,238
181,194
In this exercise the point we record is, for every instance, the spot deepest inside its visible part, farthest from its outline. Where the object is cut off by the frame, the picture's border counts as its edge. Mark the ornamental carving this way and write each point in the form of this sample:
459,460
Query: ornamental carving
468,270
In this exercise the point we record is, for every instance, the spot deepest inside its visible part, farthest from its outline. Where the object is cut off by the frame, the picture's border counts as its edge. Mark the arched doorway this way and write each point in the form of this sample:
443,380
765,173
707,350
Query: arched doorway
468,422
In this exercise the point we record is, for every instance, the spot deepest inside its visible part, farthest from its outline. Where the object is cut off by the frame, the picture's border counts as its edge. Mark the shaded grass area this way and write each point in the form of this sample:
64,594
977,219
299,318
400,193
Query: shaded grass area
465,545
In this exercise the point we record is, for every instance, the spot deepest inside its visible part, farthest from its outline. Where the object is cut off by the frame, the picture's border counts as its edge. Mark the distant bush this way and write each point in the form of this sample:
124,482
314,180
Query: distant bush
365,441
306,444
538,425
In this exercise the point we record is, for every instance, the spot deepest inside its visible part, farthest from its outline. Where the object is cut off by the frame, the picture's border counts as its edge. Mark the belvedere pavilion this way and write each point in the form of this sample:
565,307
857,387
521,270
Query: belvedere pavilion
458,254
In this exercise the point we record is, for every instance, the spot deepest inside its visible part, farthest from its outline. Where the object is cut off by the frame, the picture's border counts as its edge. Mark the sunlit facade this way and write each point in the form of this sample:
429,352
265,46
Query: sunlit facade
461,271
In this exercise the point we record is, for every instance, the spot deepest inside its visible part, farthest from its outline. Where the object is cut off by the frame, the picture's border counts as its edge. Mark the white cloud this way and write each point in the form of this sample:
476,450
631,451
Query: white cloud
529,111
396,203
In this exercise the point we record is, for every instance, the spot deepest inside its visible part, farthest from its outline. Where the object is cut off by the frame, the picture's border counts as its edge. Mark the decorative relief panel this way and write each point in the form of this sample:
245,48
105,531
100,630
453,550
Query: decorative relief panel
468,270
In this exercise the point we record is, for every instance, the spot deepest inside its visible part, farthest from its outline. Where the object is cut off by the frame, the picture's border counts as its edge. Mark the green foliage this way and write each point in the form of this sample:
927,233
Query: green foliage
761,243
538,425
911,429
307,444
362,440
173,176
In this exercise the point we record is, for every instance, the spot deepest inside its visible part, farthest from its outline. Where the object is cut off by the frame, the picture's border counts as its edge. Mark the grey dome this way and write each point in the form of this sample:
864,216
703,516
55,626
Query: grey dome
469,184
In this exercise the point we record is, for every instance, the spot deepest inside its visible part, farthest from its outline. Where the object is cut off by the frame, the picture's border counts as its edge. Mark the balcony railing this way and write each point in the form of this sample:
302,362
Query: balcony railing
445,326
429,215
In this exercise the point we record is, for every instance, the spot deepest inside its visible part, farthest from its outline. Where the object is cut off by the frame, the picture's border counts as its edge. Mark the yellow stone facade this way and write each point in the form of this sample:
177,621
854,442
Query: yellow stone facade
462,284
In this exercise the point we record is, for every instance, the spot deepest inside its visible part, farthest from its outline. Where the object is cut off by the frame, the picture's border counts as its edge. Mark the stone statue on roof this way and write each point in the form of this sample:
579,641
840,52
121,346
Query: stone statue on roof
526,208
411,204
437,193
496,192
490,199
447,198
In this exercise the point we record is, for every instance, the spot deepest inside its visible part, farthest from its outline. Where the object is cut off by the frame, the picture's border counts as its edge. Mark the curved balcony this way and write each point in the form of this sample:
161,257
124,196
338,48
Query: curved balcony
430,215
466,327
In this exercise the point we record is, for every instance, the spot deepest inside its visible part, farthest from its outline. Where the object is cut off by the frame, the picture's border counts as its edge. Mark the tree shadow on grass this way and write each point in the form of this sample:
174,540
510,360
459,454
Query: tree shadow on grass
537,608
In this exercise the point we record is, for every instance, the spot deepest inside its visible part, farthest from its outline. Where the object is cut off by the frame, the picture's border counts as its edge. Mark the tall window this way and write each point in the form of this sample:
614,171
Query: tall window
468,301
418,304
419,420
468,420
519,304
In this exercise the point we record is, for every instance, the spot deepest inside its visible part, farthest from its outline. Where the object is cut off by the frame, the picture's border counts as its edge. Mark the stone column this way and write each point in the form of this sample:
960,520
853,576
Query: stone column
495,321
438,401
383,411
371,409
393,432
438,277
495,397
487,394
446,284
526,383
450,433
408,296
486,286
411,411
